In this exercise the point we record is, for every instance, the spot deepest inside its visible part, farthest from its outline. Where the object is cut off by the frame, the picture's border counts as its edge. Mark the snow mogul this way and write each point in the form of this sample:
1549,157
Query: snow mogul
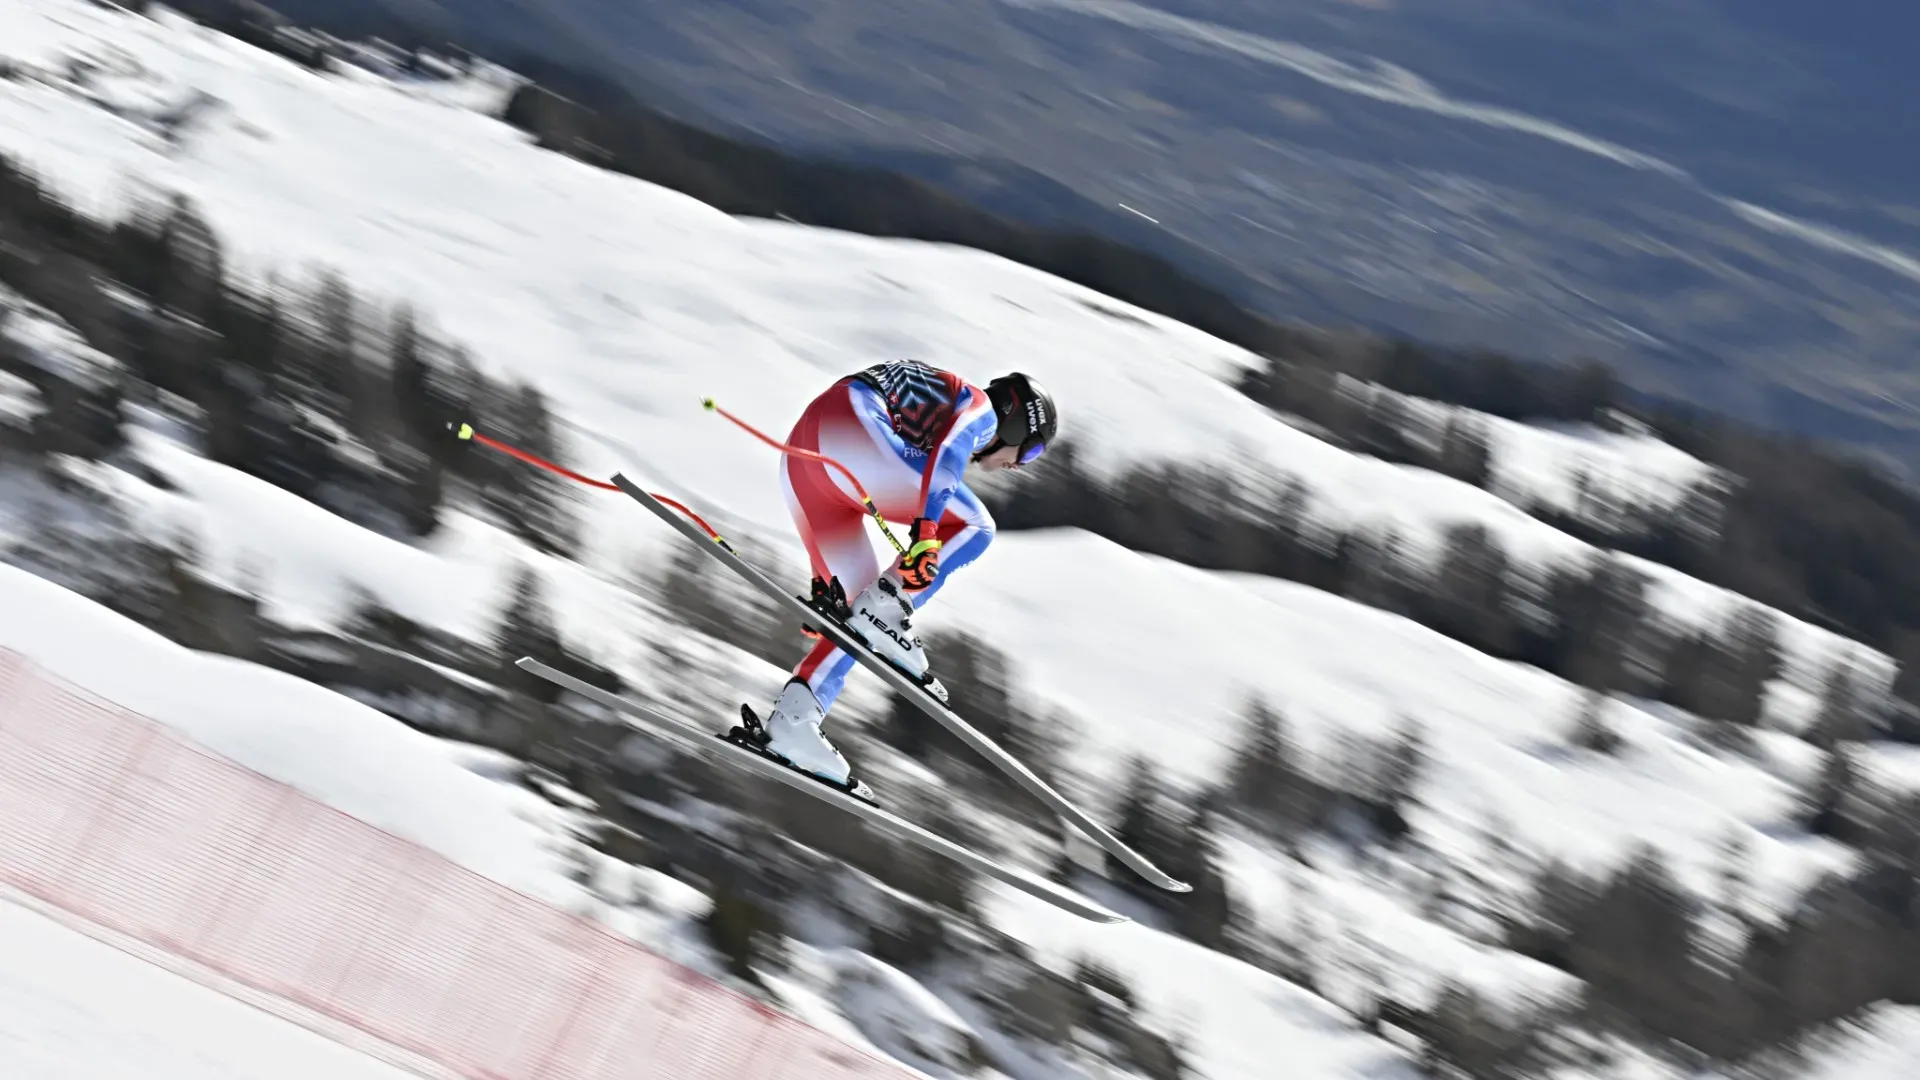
907,431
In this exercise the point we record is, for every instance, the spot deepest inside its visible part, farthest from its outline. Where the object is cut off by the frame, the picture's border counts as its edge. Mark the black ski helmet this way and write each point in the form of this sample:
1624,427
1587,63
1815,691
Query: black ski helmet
1028,418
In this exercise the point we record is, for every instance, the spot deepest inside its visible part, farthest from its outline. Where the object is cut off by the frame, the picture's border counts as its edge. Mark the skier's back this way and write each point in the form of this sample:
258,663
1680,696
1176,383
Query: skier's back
908,431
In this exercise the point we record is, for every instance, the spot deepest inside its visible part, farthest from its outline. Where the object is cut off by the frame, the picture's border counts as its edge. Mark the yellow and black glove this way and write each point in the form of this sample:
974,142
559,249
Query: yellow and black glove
921,564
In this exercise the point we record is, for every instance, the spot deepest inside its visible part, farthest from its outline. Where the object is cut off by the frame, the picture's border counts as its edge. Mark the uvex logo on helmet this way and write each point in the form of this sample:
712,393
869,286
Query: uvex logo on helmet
1026,412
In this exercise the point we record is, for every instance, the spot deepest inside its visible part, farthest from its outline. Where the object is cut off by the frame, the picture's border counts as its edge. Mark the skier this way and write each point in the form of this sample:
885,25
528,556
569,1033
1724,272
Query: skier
908,431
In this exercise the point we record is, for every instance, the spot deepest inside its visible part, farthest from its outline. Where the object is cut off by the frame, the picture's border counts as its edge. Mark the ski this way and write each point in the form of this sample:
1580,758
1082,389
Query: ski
687,736
840,634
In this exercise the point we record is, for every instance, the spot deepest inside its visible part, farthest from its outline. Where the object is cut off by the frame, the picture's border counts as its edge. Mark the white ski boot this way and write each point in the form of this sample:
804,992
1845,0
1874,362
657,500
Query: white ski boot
793,735
883,618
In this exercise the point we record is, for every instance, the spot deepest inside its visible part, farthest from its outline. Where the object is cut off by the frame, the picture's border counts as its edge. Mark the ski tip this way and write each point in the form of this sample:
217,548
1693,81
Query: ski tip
1088,908
1162,879
708,404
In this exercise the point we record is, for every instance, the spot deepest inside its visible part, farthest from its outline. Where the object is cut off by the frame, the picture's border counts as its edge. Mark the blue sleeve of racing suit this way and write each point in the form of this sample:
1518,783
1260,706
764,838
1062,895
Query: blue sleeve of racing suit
973,431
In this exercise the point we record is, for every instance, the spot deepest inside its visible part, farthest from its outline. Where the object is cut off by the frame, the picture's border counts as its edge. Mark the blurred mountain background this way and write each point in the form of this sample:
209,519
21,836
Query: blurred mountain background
1714,197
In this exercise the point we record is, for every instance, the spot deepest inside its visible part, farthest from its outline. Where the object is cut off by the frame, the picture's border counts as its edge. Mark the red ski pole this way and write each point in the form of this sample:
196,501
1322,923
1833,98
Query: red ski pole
712,406
467,434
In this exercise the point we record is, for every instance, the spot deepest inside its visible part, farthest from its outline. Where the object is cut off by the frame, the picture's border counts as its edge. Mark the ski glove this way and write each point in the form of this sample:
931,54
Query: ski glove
921,564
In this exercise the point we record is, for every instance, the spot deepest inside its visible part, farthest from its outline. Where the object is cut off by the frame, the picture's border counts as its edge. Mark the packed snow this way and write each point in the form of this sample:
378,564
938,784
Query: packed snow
455,799
73,1007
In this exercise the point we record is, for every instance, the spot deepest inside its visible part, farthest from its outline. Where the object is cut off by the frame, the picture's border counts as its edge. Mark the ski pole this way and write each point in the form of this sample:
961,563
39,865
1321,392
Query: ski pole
467,434
712,406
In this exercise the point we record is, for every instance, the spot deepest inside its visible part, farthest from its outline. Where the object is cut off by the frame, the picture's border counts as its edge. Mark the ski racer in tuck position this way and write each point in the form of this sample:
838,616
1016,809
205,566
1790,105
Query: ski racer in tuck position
908,431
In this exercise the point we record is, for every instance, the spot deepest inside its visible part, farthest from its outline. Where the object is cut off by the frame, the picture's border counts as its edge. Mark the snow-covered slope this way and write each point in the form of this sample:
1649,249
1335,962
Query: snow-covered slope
629,302
437,794
71,1007
448,797
1551,464
1887,1047
1229,1009
1158,661
626,304
340,752
1181,649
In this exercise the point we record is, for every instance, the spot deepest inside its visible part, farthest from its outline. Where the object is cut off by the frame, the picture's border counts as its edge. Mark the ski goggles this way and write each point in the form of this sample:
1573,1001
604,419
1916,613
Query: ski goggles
1031,450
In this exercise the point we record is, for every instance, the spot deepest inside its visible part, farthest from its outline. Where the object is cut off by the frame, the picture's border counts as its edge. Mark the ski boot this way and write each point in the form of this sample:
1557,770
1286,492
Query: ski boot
792,736
883,619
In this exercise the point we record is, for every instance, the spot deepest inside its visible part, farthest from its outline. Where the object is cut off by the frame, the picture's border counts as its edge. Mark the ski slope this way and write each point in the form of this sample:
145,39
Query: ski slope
72,1008
1885,1047
451,798
625,304
336,750
438,795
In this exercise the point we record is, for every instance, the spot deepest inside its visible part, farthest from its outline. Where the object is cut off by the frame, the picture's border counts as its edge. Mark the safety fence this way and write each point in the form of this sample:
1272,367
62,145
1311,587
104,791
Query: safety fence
129,825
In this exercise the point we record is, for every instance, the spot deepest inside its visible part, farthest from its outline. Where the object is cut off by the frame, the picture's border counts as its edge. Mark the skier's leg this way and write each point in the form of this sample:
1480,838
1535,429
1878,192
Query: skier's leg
836,545
838,549
833,526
